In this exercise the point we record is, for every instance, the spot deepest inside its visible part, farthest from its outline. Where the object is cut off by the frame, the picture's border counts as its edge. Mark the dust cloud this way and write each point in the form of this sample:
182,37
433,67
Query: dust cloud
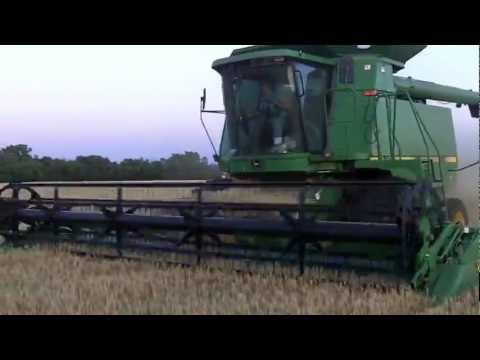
466,184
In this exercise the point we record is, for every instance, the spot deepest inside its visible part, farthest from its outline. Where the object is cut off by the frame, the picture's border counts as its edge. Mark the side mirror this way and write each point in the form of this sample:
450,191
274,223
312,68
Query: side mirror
203,99
299,86
216,158
475,110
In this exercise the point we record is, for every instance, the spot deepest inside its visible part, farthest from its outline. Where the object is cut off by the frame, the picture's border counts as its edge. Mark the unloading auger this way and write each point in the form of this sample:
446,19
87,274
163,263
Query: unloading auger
329,159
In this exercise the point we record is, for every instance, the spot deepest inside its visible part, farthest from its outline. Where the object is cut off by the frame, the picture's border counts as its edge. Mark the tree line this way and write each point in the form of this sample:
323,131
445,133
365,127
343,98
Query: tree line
17,163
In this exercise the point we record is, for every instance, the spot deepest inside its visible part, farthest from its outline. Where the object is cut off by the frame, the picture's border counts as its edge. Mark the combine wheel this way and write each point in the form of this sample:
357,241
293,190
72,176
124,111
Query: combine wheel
457,211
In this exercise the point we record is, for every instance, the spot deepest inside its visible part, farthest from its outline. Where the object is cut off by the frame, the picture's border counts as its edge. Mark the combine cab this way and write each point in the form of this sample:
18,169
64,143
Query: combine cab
329,159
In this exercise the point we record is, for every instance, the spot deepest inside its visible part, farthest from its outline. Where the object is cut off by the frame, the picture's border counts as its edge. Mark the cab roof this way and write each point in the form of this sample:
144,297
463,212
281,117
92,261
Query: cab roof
400,53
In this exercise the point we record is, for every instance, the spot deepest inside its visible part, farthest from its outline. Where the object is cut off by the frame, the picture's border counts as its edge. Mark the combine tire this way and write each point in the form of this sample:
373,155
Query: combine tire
457,211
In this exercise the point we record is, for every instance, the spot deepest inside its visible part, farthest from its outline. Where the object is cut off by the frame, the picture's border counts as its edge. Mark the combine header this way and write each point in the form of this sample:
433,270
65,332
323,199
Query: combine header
329,159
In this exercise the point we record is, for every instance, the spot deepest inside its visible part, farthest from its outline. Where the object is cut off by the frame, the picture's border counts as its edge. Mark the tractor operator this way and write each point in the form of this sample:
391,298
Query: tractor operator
277,104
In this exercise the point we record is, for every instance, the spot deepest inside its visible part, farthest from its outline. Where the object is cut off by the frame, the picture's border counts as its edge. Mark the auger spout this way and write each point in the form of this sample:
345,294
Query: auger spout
431,91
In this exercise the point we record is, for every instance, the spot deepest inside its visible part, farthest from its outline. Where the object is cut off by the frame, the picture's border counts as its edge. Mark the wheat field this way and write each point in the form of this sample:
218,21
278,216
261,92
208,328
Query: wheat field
52,282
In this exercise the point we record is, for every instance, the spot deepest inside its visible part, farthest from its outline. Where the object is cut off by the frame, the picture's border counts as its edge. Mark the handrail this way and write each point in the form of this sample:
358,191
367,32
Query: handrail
421,125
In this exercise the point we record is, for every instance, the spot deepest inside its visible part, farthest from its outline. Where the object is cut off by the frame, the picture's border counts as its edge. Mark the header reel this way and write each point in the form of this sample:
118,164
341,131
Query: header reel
317,224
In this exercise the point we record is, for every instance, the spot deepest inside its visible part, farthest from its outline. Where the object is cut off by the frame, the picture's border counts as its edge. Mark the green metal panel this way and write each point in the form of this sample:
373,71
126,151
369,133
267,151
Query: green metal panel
339,150
366,68
371,72
269,164
283,163
352,122
438,121
384,80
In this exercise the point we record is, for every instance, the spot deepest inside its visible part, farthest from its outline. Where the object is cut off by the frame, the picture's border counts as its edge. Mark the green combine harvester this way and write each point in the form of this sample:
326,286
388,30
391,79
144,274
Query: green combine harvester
329,159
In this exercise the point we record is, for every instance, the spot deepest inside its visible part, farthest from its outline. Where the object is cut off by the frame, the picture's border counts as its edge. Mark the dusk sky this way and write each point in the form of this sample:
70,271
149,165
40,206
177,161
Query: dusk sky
143,101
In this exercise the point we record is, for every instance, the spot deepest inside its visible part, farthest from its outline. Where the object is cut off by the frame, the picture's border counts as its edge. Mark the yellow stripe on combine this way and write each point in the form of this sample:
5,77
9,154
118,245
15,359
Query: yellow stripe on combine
448,159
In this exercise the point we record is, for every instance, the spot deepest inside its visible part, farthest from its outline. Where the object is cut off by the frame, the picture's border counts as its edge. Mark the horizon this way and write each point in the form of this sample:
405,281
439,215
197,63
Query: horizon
36,156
